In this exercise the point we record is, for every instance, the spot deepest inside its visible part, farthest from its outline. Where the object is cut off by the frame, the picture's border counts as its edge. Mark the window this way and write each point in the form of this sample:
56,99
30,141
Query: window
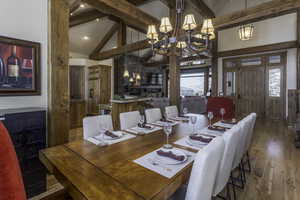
192,84
274,82
230,83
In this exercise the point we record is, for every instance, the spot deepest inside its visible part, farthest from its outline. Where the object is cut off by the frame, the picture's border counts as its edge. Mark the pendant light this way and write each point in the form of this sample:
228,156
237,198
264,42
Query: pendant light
246,31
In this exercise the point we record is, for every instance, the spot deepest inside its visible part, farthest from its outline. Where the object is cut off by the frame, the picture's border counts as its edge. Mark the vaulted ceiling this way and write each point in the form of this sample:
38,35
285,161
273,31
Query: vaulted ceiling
85,37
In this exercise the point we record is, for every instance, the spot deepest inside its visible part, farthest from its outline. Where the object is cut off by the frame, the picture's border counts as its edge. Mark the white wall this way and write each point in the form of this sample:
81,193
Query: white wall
274,30
27,20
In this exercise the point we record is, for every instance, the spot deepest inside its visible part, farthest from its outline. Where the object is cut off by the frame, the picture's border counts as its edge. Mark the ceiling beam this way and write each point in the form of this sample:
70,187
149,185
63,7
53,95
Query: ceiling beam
201,7
75,5
263,11
85,17
124,10
169,3
105,39
143,44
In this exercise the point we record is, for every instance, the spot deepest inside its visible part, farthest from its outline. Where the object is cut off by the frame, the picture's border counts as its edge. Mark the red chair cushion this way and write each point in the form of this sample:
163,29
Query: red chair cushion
11,182
214,104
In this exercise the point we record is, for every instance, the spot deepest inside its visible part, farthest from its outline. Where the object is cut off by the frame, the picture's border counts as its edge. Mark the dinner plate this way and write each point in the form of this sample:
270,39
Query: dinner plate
106,137
170,161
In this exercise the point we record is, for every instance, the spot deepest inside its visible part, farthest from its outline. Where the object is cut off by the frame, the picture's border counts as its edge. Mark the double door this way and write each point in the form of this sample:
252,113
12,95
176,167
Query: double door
257,84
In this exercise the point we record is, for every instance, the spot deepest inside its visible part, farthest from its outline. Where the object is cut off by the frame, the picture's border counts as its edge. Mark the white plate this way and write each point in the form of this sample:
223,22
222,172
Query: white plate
106,137
170,161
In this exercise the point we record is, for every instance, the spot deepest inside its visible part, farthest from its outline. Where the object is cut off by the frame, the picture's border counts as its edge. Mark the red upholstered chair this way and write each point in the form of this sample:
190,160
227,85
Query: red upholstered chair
214,104
11,182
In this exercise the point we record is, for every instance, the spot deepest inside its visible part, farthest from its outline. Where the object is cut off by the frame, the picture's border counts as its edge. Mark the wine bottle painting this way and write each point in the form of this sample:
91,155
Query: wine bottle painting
19,67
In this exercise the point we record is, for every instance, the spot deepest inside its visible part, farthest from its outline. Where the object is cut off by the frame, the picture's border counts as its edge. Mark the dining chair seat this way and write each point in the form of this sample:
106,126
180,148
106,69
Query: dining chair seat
204,172
11,181
171,111
153,115
129,119
93,125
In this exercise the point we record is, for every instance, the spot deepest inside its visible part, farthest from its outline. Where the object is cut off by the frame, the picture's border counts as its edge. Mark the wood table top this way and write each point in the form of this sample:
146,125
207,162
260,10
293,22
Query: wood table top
93,172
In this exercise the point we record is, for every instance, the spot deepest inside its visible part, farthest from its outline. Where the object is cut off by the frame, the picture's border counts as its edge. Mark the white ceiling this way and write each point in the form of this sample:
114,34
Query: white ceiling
96,30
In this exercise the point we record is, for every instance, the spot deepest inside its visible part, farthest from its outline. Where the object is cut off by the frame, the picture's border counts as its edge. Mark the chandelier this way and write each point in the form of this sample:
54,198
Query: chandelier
246,31
184,38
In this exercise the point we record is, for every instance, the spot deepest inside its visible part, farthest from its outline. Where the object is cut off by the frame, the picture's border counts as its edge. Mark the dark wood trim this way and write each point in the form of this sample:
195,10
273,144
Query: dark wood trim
201,7
143,44
259,49
298,50
257,13
58,74
124,10
85,17
214,67
74,6
105,39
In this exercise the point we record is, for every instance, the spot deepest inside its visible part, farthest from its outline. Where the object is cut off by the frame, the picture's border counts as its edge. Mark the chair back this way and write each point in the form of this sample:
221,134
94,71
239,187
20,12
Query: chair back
93,125
153,115
204,171
214,104
11,181
171,111
245,127
129,119
251,131
231,138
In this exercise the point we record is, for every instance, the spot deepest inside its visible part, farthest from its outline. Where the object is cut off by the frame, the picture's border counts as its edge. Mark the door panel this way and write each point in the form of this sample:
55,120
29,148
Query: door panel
251,90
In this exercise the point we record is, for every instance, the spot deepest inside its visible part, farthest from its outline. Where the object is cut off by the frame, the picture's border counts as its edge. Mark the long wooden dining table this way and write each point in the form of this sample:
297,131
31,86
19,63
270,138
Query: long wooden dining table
88,171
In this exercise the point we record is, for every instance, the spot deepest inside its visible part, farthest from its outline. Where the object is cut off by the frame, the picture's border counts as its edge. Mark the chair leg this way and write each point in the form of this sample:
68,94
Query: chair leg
239,179
233,188
243,173
228,193
248,161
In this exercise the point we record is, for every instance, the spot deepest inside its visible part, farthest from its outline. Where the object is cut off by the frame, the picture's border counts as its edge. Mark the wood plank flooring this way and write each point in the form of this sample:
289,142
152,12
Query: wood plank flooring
275,163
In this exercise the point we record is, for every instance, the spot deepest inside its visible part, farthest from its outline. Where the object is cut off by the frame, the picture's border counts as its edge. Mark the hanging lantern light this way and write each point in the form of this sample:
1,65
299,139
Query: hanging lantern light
246,32
126,73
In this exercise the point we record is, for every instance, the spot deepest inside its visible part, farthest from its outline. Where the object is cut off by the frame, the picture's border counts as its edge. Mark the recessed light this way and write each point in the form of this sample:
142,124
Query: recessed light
86,38
82,5
71,14
97,20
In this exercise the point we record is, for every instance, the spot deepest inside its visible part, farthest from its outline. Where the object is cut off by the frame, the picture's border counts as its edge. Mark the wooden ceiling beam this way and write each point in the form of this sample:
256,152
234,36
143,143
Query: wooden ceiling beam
105,39
85,17
263,11
202,8
124,10
169,3
143,44
74,6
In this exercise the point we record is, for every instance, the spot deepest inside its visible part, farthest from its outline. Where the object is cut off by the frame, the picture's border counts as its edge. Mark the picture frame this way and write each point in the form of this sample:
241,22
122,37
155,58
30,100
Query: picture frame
20,67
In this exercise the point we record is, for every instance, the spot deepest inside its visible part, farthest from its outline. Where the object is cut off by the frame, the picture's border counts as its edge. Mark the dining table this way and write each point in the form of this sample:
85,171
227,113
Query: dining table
92,172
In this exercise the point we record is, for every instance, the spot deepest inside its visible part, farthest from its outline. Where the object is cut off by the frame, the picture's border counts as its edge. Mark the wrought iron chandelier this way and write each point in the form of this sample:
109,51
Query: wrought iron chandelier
184,38
246,31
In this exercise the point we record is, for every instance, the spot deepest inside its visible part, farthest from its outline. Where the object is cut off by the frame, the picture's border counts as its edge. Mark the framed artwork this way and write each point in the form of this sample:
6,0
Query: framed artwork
20,67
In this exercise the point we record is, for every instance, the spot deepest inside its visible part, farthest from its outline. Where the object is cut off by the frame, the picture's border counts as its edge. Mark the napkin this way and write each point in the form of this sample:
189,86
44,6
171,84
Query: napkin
170,154
111,134
228,122
201,138
216,128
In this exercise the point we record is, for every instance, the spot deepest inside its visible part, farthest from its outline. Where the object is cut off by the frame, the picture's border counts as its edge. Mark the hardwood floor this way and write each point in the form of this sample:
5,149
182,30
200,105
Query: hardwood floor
275,163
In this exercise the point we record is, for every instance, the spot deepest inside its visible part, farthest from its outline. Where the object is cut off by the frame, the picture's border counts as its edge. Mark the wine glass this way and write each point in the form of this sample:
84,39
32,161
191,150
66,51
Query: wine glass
185,111
222,112
168,131
142,119
210,116
193,121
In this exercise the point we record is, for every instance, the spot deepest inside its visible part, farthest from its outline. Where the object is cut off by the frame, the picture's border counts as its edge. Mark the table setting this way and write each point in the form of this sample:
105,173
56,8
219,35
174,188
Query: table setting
107,137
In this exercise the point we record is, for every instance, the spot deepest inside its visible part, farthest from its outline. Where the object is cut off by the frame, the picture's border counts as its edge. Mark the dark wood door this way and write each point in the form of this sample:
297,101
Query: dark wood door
251,90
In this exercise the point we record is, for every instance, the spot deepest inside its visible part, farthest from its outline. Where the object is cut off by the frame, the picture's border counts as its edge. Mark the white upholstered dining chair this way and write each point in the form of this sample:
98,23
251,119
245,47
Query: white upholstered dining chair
171,111
129,119
93,125
153,115
231,138
203,175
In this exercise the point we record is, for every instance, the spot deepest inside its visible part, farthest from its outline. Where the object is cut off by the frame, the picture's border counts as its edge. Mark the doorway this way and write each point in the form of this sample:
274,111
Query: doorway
257,84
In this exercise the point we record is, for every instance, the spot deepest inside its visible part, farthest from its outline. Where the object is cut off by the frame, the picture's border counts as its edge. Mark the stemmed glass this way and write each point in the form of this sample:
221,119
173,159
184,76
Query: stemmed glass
193,121
168,131
185,111
210,116
222,112
142,120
